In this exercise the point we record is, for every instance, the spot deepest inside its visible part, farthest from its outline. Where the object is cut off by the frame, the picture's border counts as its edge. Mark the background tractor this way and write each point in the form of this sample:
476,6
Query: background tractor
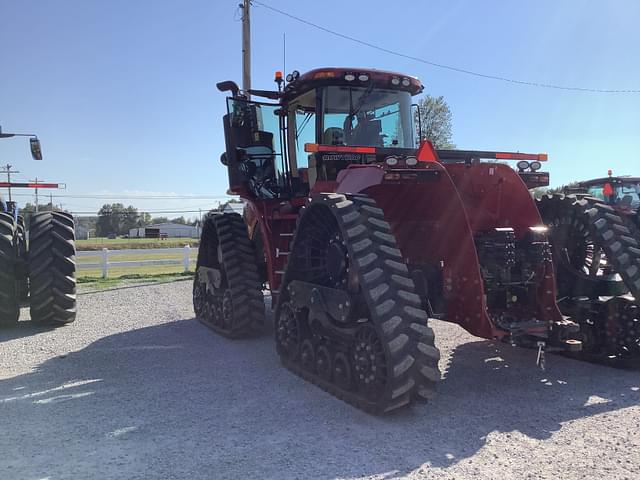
37,261
361,237
594,228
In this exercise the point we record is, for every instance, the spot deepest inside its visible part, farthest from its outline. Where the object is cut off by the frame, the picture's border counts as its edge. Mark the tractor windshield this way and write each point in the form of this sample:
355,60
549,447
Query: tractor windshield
625,193
367,116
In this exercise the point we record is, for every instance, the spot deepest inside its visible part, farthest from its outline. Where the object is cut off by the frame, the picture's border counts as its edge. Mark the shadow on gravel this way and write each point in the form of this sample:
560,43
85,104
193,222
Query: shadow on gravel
177,401
24,328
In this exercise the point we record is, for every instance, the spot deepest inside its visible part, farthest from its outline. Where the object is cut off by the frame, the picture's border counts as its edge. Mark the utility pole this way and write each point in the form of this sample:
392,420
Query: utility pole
246,46
36,184
7,169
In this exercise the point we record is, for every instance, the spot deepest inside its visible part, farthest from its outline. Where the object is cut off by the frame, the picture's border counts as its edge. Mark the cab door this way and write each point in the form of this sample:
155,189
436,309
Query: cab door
254,156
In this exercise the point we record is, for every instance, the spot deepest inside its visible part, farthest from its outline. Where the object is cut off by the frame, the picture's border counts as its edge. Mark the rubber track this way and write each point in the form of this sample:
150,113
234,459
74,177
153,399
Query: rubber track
617,236
9,307
395,309
241,274
52,268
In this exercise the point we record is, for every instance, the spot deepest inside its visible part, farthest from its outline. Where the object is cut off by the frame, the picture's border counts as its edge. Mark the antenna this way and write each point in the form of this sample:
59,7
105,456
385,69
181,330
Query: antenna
284,52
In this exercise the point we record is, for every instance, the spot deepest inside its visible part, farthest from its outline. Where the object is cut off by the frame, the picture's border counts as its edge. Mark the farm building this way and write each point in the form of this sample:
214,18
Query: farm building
166,230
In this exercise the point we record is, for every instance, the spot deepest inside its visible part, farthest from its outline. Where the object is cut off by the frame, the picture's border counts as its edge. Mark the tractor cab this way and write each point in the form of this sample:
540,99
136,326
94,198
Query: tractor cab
621,192
320,123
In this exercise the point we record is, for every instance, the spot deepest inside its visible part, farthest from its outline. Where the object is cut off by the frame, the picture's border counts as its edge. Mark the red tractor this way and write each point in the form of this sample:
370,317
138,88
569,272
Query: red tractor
361,237
594,228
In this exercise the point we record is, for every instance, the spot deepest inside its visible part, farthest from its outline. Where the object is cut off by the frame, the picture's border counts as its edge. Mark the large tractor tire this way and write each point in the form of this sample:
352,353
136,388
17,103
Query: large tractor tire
52,268
227,289
21,268
348,318
9,294
596,254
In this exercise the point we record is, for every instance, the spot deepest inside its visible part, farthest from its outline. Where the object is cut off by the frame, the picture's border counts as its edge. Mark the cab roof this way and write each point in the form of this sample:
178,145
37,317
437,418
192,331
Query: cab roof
351,76
614,179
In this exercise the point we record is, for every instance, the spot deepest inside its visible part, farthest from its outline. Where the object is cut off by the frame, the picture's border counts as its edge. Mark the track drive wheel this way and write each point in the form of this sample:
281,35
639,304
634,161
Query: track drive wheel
583,268
9,295
227,293
381,355
52,268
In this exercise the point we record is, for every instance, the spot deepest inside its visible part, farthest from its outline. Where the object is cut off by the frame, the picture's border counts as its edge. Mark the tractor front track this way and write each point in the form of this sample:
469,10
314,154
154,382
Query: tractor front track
348,318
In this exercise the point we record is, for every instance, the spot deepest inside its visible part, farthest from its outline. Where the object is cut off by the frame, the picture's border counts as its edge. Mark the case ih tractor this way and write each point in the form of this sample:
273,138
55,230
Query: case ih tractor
361,237
594,229
37,266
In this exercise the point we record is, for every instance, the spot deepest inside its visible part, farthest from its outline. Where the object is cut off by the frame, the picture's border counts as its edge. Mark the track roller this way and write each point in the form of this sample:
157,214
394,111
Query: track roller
227,293
361,332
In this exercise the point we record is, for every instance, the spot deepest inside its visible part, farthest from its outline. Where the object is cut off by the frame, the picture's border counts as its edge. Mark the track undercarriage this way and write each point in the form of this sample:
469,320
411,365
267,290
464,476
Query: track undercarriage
348,317
597,259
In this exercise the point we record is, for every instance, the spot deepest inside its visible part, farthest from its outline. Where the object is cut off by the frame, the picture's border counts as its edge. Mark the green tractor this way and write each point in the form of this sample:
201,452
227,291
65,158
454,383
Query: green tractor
37,262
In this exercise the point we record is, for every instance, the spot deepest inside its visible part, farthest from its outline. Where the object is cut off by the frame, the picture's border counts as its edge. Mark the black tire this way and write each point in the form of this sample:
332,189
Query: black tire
9,295
396,322
52,268
21,268
235,308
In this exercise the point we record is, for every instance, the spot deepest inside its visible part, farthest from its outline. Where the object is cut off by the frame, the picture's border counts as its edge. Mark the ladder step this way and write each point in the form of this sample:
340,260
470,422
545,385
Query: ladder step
286,234
279,272
280,253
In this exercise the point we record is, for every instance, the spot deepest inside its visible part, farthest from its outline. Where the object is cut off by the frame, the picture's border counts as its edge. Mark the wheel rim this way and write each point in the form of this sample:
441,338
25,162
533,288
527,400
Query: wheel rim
623,329
323,363
369,361
199,298
342,371
307,356
288,331
323,253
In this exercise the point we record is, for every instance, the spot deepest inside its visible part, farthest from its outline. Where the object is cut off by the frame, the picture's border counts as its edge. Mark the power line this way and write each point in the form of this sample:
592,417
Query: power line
440,65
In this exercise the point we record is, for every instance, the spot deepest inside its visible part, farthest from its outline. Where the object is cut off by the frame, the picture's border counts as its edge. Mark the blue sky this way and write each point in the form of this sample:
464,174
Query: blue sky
122,93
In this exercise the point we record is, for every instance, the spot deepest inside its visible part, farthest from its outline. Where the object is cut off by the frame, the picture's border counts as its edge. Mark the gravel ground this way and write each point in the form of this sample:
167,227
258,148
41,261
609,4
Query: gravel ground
137,388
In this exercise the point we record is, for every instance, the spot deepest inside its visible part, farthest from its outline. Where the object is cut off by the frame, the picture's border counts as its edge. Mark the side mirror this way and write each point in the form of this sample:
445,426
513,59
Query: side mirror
228,86
36,151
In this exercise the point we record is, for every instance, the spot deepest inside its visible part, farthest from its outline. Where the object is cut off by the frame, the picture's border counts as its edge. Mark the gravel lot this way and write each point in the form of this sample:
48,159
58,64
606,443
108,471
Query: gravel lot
137,388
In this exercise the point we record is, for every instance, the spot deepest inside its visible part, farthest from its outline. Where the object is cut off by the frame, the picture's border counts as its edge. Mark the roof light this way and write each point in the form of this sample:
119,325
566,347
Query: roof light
411,161
406,82
278,76
324,74
395,81
391,161
289,78
363,77
535,166
349,77
522,165
610,172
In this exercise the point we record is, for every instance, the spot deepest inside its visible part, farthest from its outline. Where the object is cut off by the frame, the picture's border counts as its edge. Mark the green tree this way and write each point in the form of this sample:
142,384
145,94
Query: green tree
434,119
116,218
179,220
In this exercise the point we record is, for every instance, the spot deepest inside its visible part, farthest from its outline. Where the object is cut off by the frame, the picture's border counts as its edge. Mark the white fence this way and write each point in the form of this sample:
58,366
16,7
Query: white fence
104,263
